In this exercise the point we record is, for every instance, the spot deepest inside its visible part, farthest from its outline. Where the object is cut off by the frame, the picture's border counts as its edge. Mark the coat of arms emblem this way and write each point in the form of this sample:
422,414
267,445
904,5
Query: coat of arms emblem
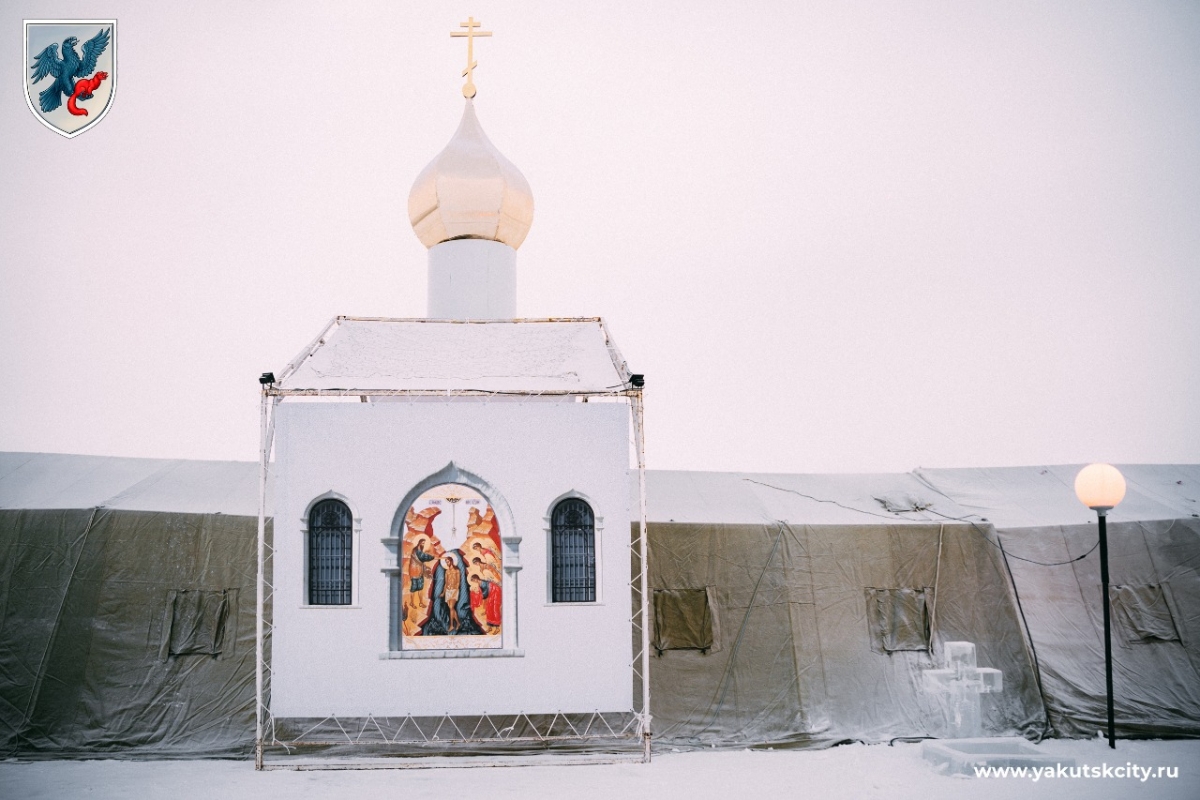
71,72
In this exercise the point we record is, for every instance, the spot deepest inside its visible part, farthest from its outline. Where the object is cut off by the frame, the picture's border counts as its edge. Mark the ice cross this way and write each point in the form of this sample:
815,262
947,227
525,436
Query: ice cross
469,72
958,685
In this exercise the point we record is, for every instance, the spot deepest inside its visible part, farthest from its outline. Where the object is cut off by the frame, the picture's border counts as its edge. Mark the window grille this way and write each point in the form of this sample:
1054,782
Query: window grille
573,552
330,530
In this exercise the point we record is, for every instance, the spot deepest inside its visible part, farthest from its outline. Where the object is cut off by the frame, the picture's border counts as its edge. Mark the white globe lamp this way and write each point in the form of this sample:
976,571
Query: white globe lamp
1100,487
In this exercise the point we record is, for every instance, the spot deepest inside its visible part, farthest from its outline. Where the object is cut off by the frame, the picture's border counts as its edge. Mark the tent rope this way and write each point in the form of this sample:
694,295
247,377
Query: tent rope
821,500
1007,554
1037,666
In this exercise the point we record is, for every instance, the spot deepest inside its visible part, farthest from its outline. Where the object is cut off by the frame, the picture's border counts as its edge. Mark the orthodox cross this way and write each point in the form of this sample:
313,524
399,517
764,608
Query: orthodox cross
470,33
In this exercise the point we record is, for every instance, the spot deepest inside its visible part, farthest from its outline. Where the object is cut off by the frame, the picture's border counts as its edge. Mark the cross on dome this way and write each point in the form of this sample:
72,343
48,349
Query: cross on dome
470,33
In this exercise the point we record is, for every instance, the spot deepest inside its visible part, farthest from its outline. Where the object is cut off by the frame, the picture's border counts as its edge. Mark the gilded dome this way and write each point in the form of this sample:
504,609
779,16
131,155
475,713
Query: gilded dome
470,191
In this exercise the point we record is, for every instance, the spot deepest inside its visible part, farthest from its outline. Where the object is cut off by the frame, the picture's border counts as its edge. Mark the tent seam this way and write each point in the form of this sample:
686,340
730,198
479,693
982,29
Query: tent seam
737,642
1037,666
41,674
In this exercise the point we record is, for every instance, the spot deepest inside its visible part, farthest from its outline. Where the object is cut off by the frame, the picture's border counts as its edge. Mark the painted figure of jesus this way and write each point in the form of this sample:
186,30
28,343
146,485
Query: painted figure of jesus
453,585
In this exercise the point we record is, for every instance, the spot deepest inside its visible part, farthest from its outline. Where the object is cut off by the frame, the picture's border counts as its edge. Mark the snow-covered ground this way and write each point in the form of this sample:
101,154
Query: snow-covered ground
850,771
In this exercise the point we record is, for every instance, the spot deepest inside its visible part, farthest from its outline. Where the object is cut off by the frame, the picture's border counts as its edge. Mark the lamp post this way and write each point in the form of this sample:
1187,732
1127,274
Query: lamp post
1100,487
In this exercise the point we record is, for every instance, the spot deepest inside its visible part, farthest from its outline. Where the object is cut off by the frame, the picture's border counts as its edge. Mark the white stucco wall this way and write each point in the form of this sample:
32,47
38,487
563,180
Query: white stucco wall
576,658
472,279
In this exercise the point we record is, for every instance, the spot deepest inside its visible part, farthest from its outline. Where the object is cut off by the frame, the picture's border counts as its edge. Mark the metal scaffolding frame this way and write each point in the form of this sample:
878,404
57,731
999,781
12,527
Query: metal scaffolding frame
483,733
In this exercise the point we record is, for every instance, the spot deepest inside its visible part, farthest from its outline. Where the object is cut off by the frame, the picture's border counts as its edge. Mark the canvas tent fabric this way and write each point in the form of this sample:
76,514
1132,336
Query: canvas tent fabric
1154,541
1154,552
739,498
797,663
55,480
794,564
100,651
108,565
127,615
1029,497
574,356
1156,682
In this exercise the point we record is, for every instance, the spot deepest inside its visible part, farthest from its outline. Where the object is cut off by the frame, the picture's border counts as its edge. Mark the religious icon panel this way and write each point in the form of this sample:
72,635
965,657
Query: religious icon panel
452,585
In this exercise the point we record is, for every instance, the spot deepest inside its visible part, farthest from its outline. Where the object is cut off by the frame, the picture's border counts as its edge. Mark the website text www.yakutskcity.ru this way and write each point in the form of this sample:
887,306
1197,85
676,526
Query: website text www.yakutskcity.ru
1126,771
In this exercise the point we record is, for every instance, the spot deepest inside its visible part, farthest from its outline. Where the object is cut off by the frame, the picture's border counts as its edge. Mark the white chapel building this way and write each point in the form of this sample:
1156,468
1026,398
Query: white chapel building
452,527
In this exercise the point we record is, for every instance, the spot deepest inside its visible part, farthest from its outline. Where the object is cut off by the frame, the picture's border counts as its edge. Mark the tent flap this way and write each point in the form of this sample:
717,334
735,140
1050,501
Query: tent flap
898,619
683,620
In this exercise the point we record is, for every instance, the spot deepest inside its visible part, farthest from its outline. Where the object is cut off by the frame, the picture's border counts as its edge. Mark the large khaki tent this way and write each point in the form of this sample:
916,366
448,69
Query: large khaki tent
792,568
1154,565
111,571
789,609
825,613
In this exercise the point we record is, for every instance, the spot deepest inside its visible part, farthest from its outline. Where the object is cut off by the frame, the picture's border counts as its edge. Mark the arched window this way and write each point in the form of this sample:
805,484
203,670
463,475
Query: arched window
330,537
573,552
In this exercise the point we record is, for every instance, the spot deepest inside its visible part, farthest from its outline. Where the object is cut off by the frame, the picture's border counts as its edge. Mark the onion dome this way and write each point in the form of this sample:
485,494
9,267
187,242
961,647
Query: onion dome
470,191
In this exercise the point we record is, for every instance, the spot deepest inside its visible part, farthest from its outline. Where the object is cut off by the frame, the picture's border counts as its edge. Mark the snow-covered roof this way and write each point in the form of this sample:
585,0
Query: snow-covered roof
747,498
54,480
1008,497
1029,497
362,356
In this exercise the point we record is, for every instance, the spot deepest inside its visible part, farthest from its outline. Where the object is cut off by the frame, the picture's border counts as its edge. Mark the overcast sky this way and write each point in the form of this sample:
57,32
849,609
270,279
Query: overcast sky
846,237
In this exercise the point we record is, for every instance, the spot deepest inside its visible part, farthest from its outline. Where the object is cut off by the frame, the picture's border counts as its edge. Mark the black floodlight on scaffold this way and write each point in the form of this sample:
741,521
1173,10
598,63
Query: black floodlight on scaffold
637,381
267,378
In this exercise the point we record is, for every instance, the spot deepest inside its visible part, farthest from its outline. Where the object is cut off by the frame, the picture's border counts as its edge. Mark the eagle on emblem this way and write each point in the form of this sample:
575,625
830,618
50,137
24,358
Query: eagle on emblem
66,69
